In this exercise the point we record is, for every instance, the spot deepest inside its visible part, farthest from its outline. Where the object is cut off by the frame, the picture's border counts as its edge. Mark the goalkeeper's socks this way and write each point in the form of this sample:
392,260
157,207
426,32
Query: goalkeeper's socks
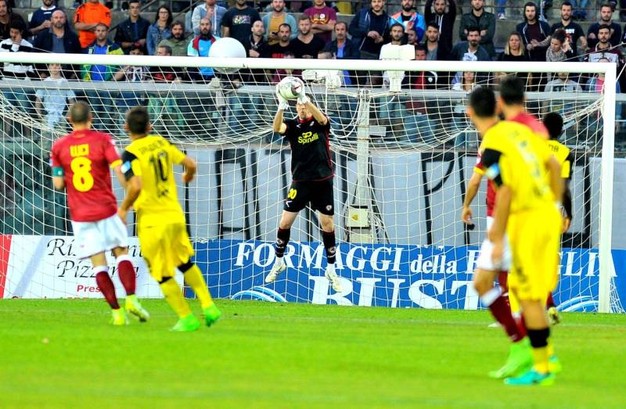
105,285
174,297
501,311
195,280
126,272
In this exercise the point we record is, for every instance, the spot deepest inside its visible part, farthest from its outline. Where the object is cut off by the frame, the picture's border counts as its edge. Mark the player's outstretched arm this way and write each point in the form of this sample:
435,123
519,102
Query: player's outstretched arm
313,109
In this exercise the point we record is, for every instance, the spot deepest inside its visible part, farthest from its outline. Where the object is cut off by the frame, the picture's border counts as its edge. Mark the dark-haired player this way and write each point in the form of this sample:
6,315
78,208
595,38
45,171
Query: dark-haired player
554,123
81,163
312,175
148,166
528,185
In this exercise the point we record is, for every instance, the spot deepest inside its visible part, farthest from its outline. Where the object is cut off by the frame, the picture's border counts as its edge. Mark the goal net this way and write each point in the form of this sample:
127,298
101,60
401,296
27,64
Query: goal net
403,150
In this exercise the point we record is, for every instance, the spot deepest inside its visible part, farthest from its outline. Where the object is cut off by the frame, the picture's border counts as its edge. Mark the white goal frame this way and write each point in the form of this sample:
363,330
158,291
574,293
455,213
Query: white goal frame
606,267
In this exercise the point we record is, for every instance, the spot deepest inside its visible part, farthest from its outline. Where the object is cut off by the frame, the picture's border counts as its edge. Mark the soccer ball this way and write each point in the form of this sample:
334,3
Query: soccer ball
227,47
290,87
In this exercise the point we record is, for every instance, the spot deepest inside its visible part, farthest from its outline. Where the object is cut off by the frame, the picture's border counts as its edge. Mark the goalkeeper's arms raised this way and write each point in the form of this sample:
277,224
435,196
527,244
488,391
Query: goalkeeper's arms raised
278,125
311,107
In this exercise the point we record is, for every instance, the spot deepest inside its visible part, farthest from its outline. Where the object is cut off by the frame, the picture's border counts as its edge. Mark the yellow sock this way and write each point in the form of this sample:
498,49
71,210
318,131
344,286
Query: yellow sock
550,348
195,280
540,358
174,297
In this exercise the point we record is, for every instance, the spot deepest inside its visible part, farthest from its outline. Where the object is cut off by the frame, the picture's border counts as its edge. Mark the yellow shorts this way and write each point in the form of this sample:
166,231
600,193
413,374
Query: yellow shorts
164,247
534,237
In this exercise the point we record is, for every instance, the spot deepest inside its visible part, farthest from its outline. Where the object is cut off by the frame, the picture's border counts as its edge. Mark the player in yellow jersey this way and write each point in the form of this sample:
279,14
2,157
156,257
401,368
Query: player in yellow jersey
554,123
517,160
147,164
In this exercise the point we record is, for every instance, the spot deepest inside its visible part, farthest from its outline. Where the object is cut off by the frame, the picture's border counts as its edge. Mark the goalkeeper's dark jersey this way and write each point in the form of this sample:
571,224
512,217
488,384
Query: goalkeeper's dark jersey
310,149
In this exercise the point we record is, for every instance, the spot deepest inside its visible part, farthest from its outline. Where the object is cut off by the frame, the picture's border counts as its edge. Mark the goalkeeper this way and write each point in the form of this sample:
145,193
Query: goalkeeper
312,174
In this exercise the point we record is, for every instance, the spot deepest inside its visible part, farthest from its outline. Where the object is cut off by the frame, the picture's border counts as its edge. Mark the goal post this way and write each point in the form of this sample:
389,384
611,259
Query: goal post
403,156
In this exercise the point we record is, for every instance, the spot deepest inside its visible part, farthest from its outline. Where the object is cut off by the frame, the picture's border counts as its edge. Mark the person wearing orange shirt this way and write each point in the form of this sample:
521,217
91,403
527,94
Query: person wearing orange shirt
88,15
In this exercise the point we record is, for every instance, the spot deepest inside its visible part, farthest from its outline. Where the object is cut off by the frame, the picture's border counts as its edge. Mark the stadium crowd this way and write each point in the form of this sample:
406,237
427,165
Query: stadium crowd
438,29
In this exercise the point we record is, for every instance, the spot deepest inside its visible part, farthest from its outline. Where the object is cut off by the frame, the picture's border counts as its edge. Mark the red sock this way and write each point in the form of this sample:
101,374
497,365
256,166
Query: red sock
107,288
503,278
501,311
550,302
126,272
521,325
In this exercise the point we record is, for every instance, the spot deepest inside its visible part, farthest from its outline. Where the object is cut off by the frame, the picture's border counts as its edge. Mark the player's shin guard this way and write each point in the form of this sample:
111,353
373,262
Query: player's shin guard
539,342
501,311
195,280
330,246
126,272
174,297
106,286
282,238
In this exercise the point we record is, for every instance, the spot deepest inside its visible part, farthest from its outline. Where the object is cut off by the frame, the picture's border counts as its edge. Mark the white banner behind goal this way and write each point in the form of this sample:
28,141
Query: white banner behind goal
402,158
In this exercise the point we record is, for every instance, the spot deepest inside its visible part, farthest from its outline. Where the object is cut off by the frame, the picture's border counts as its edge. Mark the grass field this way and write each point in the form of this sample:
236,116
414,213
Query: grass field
63,354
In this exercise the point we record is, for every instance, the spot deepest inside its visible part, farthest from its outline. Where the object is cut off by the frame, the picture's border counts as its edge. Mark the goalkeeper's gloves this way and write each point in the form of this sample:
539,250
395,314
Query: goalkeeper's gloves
301,96
283,105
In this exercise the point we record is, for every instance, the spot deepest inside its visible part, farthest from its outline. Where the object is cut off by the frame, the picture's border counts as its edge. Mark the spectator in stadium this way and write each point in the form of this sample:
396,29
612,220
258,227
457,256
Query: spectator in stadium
256,47
574,31
159,30
368,29
60,38
132,73
283,46
277,17
514,49
417,122
486,23
471,49
432,44
306,44
17,95
323,19
199,46
211,10
535,33
132,32
101,99
40,19
7,17
443,14
312,180
238,20
342,48
93,207
411,37
87,17
606,19
164,108
410,18
50,103
560,48
161,222
178,42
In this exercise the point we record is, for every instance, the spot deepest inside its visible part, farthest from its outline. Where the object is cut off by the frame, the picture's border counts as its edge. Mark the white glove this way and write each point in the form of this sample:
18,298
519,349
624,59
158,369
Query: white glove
283,105
302,98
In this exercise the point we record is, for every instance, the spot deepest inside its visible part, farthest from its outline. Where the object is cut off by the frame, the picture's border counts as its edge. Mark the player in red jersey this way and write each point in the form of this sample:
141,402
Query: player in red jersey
495,298
81,163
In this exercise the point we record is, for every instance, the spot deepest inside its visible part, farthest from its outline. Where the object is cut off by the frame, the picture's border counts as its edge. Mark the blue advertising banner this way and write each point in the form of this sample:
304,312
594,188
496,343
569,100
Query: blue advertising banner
396,276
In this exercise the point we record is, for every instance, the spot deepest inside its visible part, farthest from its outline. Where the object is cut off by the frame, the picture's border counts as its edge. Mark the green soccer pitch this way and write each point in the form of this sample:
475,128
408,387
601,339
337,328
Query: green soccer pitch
63,354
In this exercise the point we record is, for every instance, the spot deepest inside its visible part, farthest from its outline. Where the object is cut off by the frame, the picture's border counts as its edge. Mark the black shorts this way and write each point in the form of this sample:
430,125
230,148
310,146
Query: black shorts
319,194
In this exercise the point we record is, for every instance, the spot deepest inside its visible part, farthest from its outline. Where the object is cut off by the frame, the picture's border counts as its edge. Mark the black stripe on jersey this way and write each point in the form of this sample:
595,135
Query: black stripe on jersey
127,160
490,160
